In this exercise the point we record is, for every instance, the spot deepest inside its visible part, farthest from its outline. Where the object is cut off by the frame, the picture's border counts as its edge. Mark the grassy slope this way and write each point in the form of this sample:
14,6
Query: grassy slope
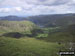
27,47
59,37
16,26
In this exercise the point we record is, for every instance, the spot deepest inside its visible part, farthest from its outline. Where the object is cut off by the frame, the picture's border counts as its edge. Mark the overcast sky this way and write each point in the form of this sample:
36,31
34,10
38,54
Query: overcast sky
36,7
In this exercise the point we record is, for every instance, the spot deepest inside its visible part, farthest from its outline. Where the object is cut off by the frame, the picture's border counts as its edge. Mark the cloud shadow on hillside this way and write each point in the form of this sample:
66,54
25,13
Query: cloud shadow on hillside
13,35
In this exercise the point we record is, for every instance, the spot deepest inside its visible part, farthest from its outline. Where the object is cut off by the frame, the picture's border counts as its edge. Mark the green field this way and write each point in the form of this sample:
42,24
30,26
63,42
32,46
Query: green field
27,47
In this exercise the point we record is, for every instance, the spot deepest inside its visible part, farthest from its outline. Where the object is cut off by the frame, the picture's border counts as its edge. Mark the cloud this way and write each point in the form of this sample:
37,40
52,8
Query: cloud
37,7
48,2
4,10
18,9
13,9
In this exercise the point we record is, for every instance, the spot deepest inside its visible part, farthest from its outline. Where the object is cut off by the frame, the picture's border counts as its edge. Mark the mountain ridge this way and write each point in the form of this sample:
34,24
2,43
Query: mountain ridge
45,20
13,18
53,20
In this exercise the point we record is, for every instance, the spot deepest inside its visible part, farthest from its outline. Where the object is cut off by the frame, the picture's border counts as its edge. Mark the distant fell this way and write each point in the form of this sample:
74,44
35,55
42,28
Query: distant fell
13,18
53,20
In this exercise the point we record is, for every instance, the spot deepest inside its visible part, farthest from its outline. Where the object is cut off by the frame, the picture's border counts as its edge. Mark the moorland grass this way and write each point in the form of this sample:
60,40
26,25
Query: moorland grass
27,47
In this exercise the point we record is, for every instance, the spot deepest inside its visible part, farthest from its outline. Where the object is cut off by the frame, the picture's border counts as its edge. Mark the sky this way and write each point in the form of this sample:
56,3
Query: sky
36,7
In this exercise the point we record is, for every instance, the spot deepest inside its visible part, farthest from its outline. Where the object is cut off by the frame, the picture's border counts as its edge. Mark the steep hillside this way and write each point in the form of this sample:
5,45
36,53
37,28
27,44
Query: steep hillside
53,20
16,26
